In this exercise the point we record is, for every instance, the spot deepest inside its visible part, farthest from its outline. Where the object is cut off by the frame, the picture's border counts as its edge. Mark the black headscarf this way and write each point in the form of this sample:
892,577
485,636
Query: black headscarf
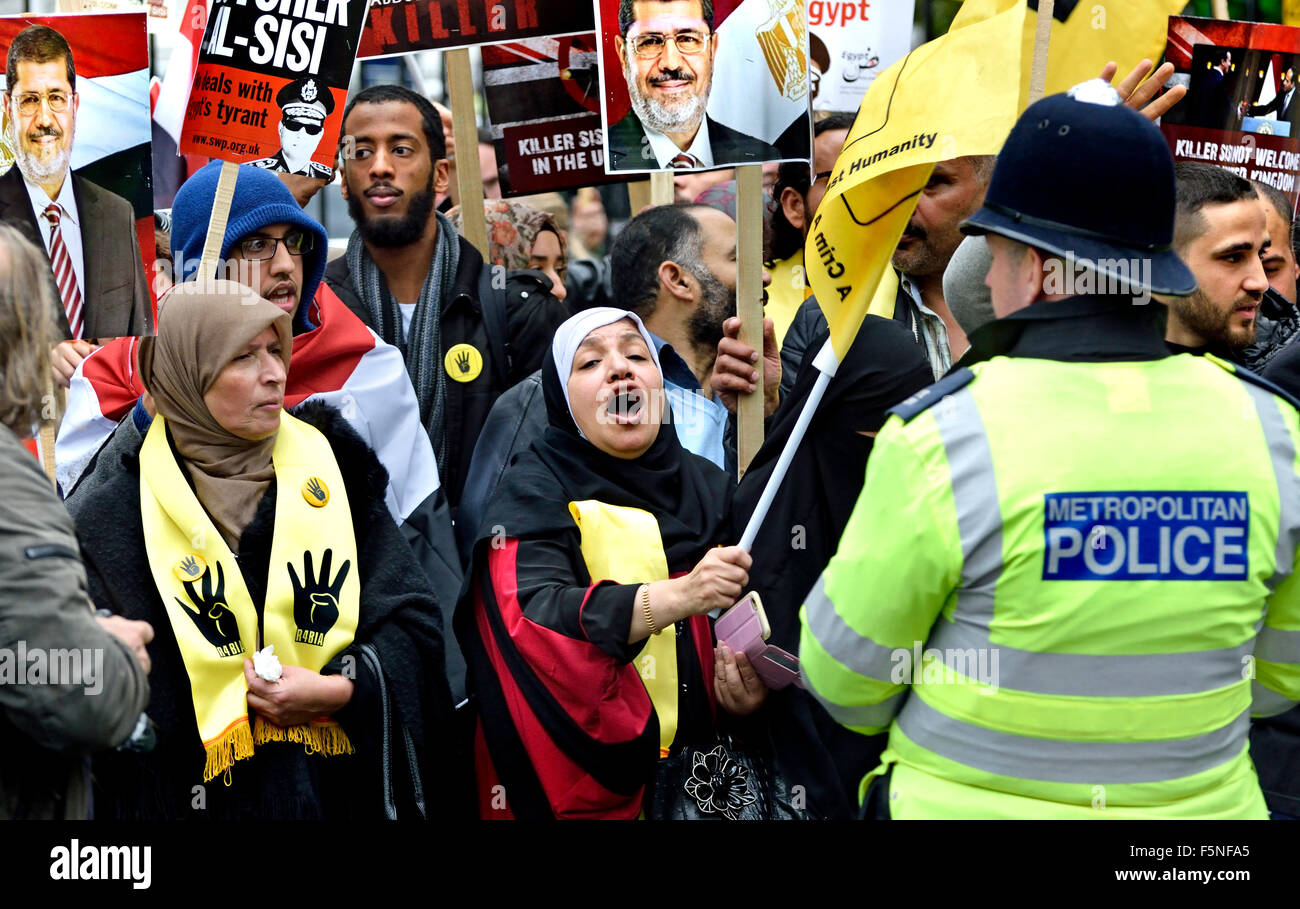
688,495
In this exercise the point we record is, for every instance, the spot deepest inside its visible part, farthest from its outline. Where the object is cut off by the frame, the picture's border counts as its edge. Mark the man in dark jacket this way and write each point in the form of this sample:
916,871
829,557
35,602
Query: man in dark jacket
1220,232
409,276
69,684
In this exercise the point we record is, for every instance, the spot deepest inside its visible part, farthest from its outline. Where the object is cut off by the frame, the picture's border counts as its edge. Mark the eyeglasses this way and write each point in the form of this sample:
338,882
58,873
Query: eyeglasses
311,129
653,44
257,249
824,174
30,102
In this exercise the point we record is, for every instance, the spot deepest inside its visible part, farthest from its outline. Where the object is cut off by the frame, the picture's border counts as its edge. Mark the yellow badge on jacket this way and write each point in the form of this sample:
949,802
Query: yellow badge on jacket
463,363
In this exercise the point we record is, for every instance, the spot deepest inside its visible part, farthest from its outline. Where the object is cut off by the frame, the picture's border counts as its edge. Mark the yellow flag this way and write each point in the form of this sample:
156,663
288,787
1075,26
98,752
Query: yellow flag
1087,35
956,95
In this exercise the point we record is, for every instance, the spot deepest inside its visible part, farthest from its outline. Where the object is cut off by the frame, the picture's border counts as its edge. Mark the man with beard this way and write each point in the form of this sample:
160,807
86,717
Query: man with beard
87,231
1221,233
668,48
955,190
409,277
675,267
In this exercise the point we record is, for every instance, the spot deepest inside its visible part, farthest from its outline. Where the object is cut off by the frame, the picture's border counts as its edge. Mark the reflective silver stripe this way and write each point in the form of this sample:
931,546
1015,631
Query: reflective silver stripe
844,644
1086,674
1264,701
1061,761
975,495
1281,450
1277,646
876,715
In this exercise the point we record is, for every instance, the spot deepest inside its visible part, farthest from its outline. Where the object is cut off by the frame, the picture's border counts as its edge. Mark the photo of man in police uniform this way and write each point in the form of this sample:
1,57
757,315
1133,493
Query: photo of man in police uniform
304,105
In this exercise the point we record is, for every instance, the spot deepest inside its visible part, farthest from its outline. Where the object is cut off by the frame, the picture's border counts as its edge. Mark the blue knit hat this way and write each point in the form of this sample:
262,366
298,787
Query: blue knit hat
261,199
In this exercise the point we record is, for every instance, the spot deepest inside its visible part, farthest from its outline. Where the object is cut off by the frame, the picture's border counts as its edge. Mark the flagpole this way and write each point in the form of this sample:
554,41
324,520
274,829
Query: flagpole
749,303
826,365
1042,38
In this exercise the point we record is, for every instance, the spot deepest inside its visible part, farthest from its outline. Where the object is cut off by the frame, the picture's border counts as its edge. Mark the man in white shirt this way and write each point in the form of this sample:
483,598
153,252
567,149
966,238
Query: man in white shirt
668,48
88,232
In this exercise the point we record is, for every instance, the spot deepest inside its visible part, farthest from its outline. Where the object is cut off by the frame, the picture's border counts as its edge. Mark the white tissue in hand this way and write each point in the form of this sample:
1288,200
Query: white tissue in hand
1096,91
267,665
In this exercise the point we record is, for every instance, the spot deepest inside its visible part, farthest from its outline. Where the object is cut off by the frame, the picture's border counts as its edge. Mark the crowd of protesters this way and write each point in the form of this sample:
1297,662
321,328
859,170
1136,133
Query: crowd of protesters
346,534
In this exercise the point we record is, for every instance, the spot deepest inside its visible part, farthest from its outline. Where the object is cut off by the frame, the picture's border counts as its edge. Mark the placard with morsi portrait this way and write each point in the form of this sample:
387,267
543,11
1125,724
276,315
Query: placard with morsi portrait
699,84
76,153
271,83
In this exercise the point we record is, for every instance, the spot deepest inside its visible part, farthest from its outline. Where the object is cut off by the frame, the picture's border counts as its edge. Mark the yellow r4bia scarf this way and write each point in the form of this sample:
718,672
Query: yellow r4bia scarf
312,593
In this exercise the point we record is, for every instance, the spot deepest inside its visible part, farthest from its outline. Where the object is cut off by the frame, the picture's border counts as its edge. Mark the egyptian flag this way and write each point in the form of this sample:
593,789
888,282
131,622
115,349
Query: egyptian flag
760,82
168,98
342,363
111,149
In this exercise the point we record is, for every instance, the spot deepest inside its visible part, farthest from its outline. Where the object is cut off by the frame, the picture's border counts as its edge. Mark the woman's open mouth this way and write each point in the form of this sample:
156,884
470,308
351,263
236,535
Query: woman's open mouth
626,407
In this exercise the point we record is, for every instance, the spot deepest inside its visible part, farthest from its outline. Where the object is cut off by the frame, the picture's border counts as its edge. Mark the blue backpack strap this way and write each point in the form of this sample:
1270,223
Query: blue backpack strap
928,397
1253,378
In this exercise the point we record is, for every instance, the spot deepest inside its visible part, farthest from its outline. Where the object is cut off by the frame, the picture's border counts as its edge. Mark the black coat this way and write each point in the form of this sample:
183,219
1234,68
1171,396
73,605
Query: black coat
398,617
802,531
468,403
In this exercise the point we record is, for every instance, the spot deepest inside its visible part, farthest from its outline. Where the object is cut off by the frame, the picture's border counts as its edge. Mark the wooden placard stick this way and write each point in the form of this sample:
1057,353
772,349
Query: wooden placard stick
225,194
469,181
1042,39
661,188
749,302
638,195
1219,8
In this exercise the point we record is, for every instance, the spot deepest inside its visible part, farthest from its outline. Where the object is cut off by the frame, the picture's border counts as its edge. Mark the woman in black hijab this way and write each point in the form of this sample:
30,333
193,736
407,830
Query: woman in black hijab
584,626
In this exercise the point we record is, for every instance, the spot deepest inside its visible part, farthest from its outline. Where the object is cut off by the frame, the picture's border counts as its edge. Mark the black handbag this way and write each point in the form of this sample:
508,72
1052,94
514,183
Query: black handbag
727,781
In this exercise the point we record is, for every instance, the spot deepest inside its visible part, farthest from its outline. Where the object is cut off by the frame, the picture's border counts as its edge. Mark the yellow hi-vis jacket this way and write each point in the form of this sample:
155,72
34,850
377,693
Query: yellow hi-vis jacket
1065,589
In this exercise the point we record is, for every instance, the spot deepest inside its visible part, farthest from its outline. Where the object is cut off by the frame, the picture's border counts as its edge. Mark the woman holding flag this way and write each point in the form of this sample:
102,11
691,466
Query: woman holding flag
243,532
585,628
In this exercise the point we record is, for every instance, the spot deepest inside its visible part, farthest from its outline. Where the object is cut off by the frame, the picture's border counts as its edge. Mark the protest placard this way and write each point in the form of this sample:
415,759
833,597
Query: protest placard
271,83
543,103
684,92
850,42
1240,111
406,26
76,128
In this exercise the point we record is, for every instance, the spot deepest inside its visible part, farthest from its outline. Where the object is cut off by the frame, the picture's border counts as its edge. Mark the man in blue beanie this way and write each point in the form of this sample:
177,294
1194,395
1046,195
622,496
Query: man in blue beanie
276,248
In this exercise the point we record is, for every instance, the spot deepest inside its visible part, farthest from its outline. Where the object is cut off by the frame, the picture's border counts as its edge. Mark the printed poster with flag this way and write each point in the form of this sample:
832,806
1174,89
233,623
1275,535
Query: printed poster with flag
850,42
543,102
406,26
743,83
270,85
1241,109
111,131
956,95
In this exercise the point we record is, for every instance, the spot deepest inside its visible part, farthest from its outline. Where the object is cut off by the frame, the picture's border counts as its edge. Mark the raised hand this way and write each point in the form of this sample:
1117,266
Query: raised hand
316,598
210,613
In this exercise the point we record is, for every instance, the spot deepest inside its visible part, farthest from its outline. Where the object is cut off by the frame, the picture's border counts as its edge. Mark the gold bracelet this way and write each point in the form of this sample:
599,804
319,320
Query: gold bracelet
644,593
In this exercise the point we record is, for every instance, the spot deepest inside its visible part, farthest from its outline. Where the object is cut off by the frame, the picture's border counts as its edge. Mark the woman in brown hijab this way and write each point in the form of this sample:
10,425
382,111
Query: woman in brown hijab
239,528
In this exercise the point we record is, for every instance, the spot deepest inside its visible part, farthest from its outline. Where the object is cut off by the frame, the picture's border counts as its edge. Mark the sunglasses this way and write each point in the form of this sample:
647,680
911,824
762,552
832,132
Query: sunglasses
312,129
